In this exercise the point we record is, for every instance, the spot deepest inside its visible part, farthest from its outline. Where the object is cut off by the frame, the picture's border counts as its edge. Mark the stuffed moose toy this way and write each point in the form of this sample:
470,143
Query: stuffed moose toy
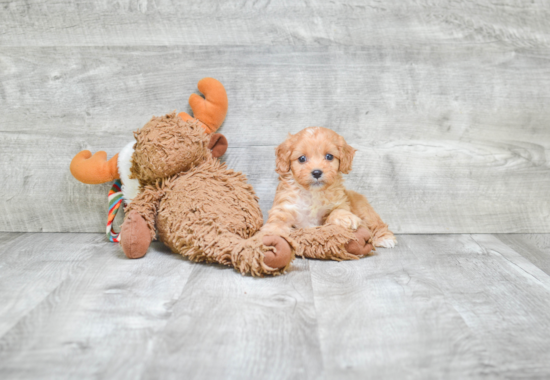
174,184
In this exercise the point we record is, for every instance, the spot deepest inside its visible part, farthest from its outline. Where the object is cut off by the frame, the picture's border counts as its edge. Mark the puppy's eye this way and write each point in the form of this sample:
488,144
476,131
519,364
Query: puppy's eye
329,157
302,159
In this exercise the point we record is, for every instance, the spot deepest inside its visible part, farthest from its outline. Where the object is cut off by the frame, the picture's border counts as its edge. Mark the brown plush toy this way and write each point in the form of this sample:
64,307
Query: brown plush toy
332,242
175,185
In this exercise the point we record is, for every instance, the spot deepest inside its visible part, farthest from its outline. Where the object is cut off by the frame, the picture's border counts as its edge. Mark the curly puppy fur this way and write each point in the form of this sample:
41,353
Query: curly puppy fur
202,209
311,191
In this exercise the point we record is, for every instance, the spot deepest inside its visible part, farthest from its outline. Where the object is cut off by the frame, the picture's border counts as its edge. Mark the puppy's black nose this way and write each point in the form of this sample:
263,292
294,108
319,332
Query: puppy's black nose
316,174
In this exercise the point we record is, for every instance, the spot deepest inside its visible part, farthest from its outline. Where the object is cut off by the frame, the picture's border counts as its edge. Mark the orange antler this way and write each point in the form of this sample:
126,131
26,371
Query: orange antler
211,109
94,170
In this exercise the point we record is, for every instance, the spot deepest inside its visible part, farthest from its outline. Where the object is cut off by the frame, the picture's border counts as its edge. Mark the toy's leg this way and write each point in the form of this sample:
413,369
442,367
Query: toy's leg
332,242
138,228
381,235
258,255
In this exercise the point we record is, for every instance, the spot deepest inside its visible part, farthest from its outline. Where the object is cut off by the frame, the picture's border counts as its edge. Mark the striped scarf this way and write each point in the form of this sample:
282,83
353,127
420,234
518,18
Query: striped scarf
115,200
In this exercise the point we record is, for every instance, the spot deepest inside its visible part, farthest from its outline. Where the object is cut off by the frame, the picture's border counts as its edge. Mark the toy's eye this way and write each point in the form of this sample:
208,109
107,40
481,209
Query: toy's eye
302,159
329,157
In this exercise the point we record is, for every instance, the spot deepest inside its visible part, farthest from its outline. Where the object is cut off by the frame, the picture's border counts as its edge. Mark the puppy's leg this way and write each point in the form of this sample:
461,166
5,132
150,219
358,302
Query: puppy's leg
276,233
280,220
344,218
277,229
381,235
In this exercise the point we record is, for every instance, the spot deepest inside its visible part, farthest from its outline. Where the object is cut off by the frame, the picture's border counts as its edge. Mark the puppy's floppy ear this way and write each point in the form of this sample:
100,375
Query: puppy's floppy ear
282,153
218,144
346,156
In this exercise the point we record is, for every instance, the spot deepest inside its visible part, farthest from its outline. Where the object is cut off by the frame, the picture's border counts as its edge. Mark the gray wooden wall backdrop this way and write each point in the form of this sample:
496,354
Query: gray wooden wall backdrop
448,103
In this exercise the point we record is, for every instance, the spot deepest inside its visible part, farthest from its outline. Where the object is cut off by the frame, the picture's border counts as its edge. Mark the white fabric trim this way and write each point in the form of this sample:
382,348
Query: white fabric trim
130,186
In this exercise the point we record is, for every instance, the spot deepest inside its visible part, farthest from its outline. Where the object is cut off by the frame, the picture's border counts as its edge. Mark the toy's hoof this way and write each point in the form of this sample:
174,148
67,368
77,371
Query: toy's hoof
362,246
135,236
281,258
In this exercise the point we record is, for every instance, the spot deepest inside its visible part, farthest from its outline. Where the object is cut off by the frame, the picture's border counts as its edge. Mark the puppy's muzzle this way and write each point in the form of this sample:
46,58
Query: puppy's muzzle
317,173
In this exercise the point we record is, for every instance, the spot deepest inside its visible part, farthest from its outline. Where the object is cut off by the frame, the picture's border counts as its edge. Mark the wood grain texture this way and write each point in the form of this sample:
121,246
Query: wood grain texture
437,306
225,326
534,247
386,315
96,319
264,22
501,300
450,138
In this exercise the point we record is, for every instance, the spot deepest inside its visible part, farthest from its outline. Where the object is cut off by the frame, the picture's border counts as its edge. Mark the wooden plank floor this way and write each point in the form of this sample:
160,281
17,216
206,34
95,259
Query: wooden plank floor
436,306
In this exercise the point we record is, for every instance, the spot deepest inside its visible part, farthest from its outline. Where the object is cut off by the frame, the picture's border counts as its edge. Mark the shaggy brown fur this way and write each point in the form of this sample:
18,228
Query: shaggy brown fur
202,209
331,242
167,145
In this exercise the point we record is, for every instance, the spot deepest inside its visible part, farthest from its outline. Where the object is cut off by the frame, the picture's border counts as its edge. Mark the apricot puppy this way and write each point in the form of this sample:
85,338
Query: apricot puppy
311,191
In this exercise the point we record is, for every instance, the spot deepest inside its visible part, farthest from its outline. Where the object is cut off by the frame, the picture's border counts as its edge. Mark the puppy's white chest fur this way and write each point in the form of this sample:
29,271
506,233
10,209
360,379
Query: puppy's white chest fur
311,208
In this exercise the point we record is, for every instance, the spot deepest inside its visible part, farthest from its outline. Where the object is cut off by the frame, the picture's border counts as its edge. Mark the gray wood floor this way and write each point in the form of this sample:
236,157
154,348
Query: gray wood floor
436,306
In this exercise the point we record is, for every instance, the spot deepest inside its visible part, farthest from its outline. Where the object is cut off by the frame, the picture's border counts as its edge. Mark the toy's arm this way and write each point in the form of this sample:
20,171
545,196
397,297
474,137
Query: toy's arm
138,229
146,203
332,242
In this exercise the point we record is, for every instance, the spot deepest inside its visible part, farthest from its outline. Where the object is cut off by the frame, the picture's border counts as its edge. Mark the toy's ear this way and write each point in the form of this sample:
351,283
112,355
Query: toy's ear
282,159
218,145
346,156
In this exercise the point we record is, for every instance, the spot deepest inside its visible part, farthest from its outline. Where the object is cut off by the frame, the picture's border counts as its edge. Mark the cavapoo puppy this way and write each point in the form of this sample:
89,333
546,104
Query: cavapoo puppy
311,190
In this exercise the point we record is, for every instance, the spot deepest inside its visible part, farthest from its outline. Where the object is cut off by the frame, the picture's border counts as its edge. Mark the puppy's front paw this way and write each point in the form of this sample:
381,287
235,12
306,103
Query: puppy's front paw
387,241
346,220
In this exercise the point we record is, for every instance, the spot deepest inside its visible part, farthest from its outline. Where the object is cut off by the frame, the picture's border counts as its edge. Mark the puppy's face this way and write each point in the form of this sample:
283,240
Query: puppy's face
315,156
